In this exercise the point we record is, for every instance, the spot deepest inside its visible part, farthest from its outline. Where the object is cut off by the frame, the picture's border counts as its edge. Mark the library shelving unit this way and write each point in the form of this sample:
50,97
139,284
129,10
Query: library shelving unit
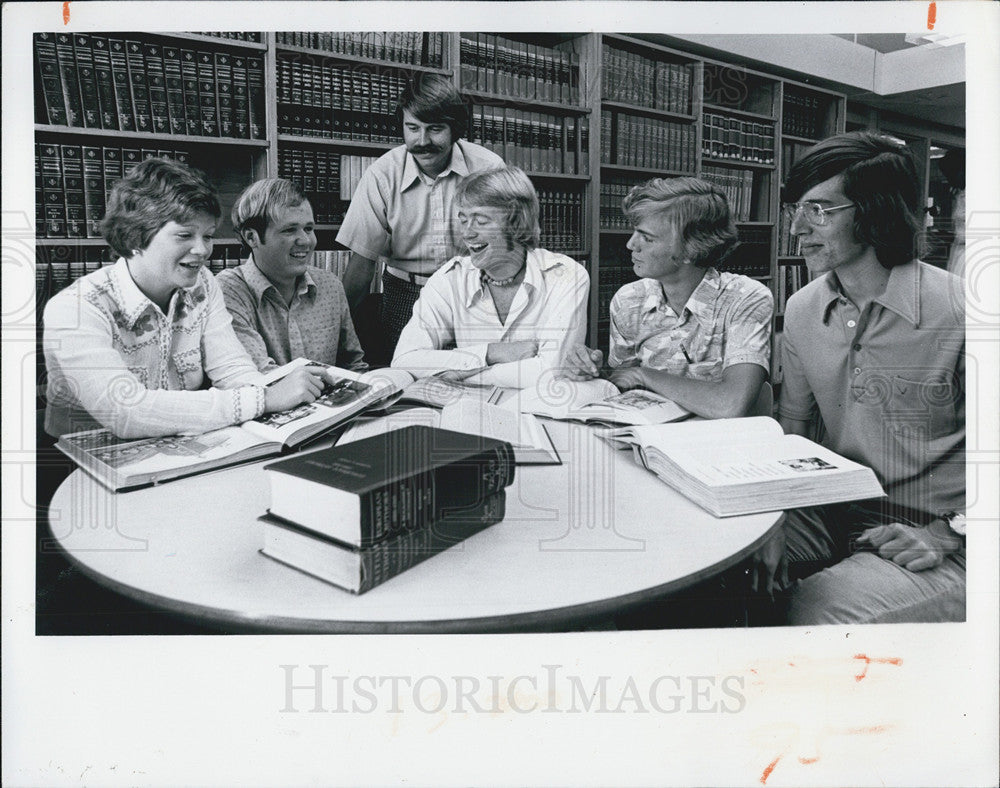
587,115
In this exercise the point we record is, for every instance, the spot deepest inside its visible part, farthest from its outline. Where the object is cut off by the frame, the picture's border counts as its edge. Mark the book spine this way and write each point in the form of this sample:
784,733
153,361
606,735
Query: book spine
156,79
53,196
123,94
224,88
50,79
139,86
66,58
255,76
89,102
105,83
72,163
241,98
93,189
175,89
387,559
432,494
207,98
192,101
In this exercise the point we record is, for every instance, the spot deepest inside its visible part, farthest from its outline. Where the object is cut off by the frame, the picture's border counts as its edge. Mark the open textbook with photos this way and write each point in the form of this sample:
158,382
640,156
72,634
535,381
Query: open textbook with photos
747,465
531,441
123,464
597,401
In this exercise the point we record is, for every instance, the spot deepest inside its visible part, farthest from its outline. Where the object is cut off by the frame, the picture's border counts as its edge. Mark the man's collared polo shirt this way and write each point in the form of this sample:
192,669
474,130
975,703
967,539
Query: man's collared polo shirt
399,213
888,382
726,321
316,325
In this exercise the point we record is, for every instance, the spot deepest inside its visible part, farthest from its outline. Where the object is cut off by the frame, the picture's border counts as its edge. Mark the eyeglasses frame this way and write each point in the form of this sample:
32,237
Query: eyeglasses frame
823,210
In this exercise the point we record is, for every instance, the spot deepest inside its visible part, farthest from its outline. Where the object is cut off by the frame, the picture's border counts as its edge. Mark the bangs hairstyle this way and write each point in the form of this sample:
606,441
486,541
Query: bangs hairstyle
507,188
879,177
431,98
157,191
256,208
697,211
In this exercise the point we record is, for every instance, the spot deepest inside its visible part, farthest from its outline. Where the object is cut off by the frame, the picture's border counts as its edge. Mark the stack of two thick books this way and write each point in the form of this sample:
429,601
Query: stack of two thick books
359,514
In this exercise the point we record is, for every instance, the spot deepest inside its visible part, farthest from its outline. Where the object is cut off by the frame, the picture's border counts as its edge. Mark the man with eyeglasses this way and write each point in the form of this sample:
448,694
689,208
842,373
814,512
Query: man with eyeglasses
873,360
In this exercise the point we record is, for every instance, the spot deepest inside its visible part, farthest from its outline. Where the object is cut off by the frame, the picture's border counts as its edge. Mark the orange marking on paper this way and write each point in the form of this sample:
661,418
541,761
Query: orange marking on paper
931,15
807,761
768,769
66,13
881,660
870,729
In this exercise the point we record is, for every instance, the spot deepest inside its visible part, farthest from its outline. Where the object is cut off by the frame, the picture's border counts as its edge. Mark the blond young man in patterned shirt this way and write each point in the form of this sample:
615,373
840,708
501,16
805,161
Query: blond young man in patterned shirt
685,330
283,308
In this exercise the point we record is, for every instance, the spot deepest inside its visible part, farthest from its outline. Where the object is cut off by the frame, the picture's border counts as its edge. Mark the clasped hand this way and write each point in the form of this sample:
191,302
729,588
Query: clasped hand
912,548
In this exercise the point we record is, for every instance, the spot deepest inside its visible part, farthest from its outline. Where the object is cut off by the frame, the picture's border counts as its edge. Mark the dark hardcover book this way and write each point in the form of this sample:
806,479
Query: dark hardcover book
139,86
50,79
255,76
364,491
360,570
241,98
68,77
93,189
53,199
224,89
207,95
192,101
105,82
39,204
157,81
112,167
72,165
90,103
130,159
175,89
123,92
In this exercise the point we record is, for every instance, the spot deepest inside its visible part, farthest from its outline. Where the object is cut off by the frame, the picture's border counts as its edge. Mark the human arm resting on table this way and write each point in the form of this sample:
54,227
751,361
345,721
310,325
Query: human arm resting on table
729,397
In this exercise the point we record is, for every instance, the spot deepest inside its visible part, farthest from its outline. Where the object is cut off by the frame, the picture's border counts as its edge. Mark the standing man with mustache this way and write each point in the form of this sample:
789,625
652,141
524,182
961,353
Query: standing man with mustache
402,209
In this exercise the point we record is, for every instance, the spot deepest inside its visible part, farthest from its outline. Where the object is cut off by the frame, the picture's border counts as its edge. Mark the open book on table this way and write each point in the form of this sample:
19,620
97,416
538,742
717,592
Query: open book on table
597,401
531,441
743,466
123,464
437,391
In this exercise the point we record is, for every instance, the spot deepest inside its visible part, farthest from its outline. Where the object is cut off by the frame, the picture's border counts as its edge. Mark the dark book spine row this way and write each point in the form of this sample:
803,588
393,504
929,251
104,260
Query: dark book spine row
92,81
490,63
534,141
790,278
802,116
418,500
635,79
737,185
389,558
753,255
316,99
410,48
255,38
733,139
615,272
633,141
613,191
561,220
76,181
317,173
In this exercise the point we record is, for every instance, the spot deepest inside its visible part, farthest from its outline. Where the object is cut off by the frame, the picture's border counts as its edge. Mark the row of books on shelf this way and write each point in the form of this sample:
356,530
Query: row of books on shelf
801,115
405,47
613,191
101,82
788,245
791,276
317,173
633,141
255,38
752,257
337,102
534,141
737,185
635,79
735,139
561,219
613,276
492,63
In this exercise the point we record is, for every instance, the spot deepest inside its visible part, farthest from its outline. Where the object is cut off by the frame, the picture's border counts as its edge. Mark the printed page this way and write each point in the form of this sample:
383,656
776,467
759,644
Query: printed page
718,435
479,418
637,406
559,397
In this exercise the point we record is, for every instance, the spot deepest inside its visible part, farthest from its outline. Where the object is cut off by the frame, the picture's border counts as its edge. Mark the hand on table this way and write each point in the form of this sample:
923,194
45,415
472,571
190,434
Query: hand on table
911,547
298,387
627,378
581,363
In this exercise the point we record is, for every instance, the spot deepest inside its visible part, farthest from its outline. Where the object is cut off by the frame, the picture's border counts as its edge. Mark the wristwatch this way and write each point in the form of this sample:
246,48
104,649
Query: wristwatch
955,521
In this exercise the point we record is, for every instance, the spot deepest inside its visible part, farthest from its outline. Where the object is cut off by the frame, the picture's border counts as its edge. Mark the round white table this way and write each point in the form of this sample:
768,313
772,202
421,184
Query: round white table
580,541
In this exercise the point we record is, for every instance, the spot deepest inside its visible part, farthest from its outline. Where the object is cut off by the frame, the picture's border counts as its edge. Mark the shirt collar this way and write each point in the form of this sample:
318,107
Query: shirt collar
457,165
537,264
901,294
699,303
260,284
133,303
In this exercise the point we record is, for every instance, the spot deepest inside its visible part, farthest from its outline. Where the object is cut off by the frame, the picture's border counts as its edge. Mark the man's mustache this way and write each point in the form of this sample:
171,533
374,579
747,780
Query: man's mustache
426,149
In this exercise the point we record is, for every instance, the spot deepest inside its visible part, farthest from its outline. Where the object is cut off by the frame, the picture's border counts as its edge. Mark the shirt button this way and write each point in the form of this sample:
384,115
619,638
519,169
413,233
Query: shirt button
857,370
857,347
851,324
